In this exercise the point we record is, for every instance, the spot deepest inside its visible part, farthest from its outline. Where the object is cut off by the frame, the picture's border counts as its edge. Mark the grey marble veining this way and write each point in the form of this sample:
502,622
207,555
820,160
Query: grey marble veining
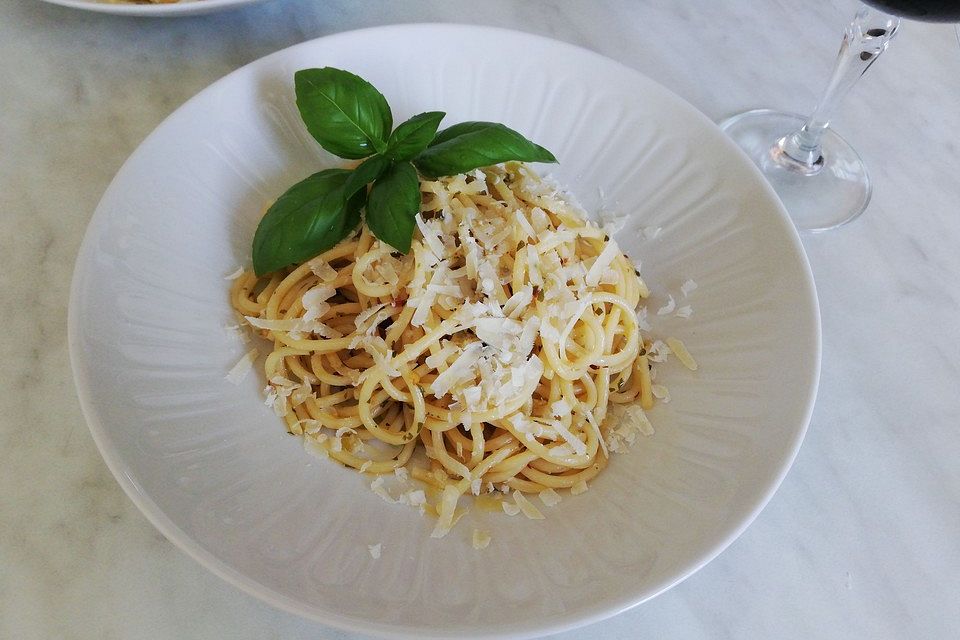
861,541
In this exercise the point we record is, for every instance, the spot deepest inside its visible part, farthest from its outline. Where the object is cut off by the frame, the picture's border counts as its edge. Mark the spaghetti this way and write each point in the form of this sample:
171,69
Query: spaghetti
497,346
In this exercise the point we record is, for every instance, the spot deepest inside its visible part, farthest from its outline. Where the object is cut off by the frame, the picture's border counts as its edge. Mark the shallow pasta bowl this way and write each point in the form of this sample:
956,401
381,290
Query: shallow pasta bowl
212,467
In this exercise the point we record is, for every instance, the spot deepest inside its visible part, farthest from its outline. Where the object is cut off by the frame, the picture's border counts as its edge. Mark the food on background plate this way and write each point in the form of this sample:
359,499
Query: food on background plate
459,321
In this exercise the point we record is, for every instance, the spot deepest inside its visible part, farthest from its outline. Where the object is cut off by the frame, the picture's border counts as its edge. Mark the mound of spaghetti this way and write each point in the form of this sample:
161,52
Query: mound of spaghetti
497,346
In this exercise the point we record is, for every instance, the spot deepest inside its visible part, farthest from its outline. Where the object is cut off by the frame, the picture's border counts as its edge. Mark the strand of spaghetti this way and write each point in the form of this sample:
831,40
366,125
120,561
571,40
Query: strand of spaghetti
478,444
495,459
565,480
593,350
373,380
376,467
646,384
601,388
454,467
628,353
511,465
272,363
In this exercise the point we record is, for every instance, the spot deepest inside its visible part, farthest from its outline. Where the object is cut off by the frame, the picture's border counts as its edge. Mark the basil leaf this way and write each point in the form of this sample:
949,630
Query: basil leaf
351,218
309,218
393,204
459,129
371,169
344,112
470,145
413,136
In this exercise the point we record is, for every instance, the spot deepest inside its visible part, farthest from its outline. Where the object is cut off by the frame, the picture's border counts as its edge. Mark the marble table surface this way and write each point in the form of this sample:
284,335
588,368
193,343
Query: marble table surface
861,541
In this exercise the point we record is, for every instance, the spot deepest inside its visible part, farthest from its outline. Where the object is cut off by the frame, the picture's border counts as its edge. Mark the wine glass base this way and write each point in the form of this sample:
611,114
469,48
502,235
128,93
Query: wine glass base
833,196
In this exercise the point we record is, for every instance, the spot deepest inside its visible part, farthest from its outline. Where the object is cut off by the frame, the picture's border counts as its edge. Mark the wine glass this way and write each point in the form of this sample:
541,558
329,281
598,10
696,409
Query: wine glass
820,178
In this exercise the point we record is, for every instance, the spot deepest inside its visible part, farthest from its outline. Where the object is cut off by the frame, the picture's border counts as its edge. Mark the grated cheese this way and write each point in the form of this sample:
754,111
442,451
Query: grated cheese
549,497
660,392
377,487
668,308
314,445
577,445
527,507
361,321
596,429
236,274
680,350
604,260
459,370
322,269
481,539
526,229
239,371
446,511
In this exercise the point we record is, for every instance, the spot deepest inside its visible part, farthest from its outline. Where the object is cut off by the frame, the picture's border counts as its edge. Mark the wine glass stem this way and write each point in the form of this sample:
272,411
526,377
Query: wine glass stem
863,41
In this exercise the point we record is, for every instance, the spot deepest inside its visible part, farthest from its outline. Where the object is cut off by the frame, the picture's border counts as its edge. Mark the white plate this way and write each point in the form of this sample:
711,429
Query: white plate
212,467
182,8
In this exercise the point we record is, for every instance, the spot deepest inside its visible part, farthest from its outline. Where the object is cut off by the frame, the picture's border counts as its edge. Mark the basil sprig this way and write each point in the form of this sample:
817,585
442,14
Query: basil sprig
352,120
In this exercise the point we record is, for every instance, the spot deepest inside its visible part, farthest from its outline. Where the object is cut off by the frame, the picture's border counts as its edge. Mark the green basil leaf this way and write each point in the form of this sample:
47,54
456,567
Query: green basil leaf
308,219
393,204
344,112
459,129
371,169
414,135
351,218
470,145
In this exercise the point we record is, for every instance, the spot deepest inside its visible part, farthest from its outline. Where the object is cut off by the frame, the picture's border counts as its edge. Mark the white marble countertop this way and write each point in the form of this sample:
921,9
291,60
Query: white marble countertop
861,541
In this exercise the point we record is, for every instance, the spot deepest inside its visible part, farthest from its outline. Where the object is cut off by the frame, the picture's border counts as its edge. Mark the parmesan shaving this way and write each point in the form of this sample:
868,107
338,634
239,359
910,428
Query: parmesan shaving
459,370
604,260
322,269
239,371
680,350
314,446
377,487
549,497
236,274
660,392
526,506
668,308
446,511
481,539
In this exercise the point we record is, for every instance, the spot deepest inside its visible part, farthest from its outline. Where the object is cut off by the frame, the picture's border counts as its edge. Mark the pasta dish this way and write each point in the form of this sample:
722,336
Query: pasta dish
489,359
